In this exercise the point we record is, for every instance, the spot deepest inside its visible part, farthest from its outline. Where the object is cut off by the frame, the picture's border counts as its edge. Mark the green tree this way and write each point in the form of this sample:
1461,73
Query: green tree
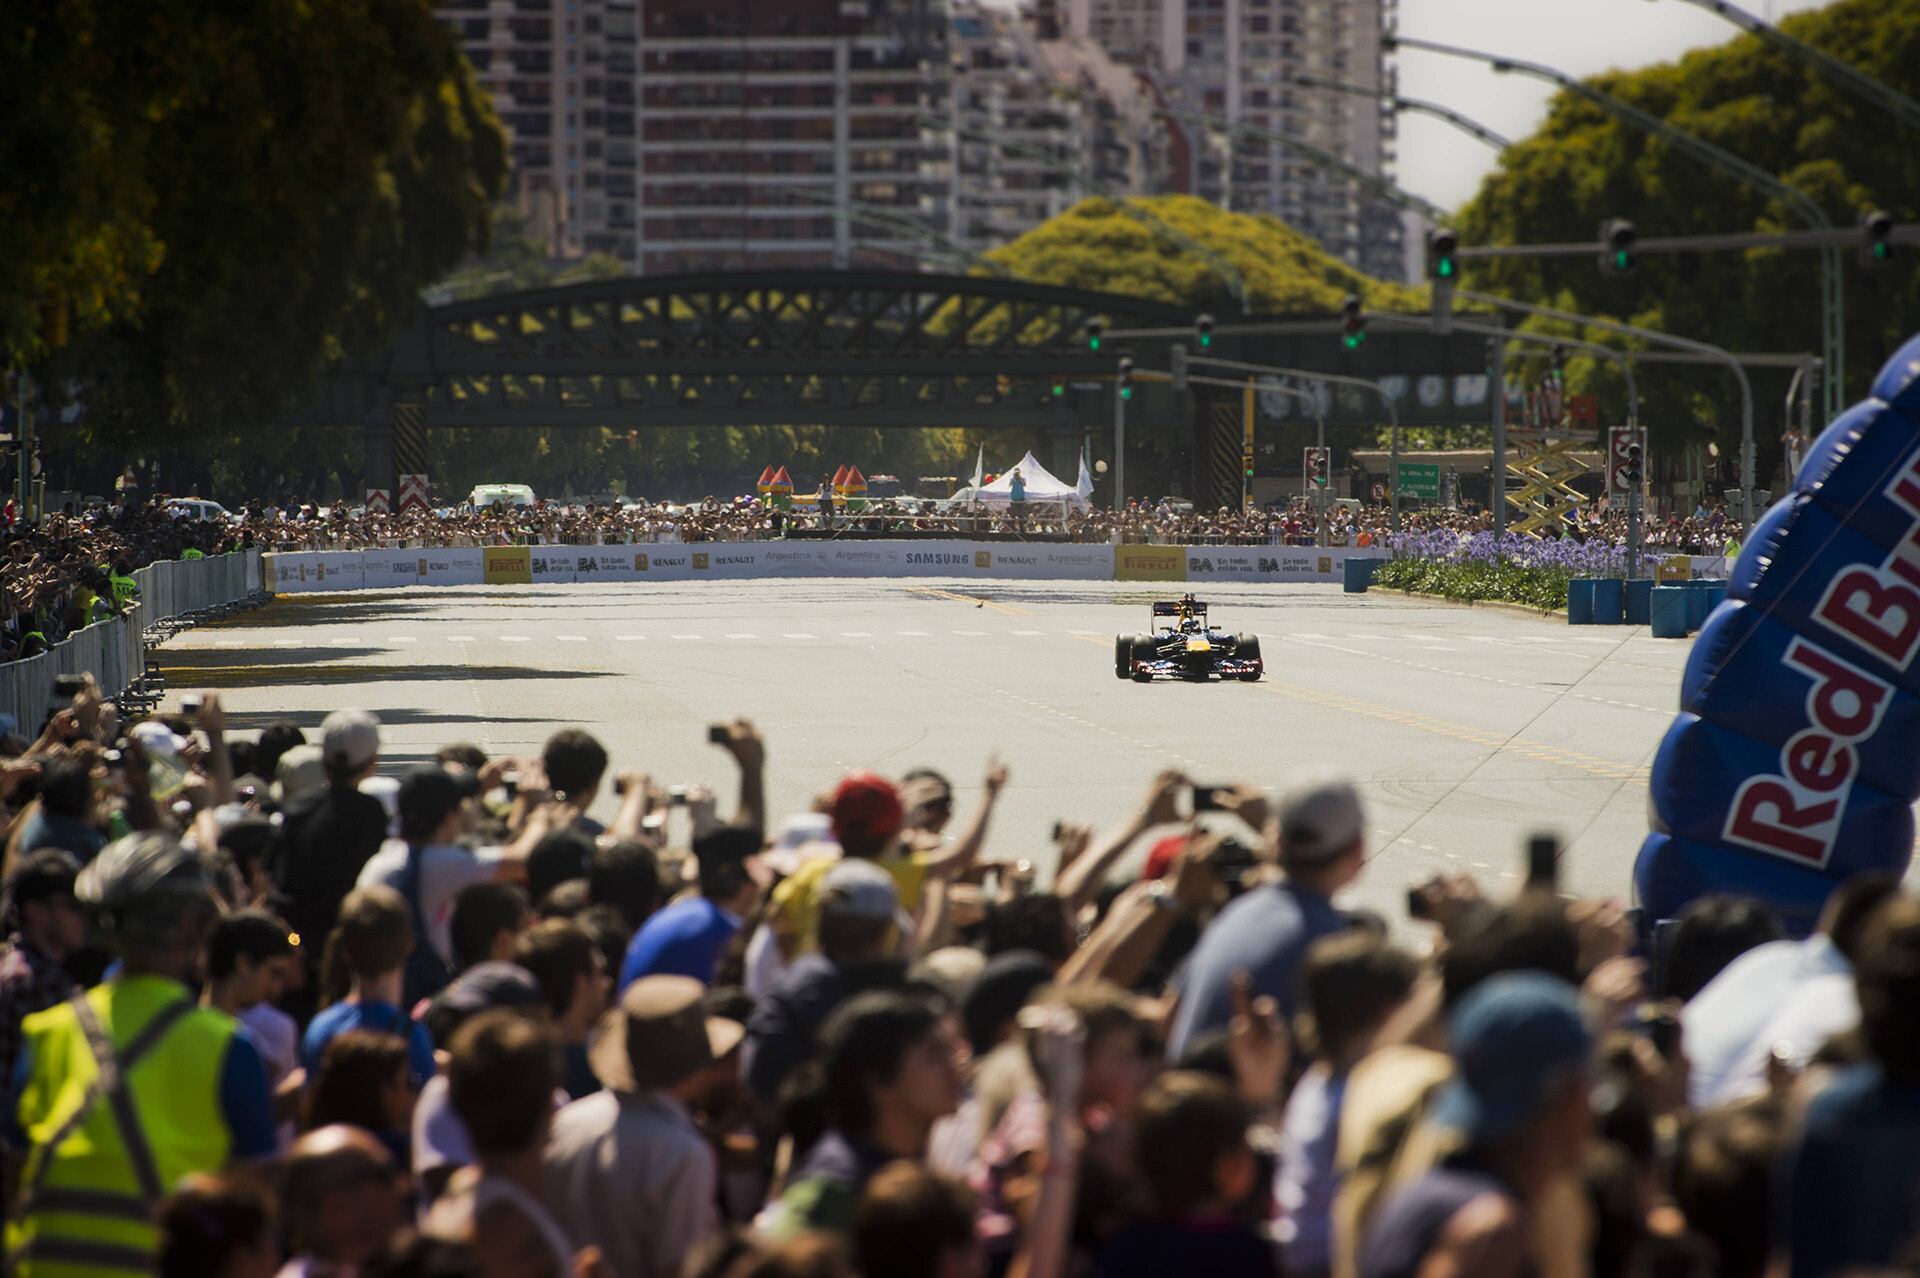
1582,167
227,196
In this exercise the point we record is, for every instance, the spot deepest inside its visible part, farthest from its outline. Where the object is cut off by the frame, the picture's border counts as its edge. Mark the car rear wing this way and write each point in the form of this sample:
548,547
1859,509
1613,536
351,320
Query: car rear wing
1172,609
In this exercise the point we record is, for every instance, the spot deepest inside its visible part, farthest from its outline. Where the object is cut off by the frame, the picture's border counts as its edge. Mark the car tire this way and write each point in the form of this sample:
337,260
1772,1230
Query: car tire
1122,656
1144,648
1247,648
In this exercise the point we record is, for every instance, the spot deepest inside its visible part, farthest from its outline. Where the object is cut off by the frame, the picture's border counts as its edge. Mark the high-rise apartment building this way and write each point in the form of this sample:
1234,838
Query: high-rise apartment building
561,75
691,134
1235,61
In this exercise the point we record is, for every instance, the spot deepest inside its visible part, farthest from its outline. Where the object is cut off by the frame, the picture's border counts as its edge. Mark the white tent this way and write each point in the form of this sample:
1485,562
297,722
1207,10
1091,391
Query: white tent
1041,486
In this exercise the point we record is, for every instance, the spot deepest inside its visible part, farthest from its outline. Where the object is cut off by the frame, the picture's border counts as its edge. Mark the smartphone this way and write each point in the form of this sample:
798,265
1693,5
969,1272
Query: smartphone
676,796
510,782
192,703
1660,1026
1204,797
719,733
66,687
1417,905
1057,827
1543,861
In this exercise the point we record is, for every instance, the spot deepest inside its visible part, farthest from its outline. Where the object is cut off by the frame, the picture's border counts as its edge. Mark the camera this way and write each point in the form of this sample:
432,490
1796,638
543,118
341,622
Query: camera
66,687
192,703
719,733
1206,797
676,796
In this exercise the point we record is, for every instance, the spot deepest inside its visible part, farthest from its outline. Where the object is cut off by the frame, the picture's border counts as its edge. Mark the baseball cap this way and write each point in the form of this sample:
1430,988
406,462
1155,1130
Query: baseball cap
352,737
1512,1036
157,739
1319,820
300,771
429,792
865,810
859,889
1160,857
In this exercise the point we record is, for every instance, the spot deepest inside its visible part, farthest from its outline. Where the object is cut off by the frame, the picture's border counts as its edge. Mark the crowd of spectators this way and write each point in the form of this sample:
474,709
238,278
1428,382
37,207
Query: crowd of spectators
266,1006
71,570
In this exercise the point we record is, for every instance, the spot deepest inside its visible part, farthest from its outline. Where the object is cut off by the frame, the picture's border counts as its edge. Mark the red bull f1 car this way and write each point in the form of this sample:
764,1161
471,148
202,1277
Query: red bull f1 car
1184,646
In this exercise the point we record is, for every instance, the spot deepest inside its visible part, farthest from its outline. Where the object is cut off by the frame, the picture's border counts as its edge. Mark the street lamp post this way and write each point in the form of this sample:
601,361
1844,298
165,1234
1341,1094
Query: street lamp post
1832,301
1466,124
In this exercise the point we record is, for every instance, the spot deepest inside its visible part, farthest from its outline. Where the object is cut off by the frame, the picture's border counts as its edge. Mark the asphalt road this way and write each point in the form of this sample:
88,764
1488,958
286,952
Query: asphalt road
1467,728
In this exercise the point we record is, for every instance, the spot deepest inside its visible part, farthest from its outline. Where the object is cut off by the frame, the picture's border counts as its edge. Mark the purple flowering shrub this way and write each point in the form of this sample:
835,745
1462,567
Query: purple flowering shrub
1511,567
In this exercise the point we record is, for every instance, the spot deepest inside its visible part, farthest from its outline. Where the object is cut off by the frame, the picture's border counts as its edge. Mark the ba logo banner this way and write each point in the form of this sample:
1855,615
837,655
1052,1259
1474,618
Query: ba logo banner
1792,765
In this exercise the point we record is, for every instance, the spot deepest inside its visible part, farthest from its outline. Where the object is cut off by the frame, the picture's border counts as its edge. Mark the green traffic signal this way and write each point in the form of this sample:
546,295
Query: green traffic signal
1622,260
1354,341
1444,268
1093,342
1206,339
1059,389
1126,392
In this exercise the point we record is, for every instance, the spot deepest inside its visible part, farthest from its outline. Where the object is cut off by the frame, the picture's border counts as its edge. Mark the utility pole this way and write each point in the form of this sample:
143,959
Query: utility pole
1497,397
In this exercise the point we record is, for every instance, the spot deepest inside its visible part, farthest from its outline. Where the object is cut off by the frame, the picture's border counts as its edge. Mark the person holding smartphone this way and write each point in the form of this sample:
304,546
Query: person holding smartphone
1321,835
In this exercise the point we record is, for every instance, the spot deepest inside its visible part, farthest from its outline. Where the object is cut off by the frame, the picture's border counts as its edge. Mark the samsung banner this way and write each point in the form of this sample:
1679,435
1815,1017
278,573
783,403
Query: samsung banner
1793,763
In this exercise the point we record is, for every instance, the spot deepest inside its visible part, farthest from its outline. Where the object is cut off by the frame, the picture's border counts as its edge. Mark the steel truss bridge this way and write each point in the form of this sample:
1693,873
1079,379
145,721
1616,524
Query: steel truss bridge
801,347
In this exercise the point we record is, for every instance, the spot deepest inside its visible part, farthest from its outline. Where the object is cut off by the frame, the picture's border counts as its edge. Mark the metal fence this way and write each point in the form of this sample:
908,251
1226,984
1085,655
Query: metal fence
115,651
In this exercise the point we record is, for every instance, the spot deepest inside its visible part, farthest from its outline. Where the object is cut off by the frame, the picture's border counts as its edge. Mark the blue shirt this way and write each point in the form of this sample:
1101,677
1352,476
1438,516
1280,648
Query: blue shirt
685,939
1267,932
383,1018
1851,1184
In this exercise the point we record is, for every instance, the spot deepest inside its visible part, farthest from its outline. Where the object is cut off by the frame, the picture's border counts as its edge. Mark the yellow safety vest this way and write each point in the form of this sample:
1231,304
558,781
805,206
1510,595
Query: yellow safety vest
125,589
122,1101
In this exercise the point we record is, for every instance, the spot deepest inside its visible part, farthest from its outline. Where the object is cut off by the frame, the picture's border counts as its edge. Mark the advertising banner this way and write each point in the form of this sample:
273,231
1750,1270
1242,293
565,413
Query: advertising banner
452,566
506,566
1266,563
550,564
1791,767
385,568
1149,563
299,571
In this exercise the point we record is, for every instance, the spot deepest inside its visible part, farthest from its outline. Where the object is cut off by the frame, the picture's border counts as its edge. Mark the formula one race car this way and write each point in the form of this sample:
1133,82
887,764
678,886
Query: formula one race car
1184,647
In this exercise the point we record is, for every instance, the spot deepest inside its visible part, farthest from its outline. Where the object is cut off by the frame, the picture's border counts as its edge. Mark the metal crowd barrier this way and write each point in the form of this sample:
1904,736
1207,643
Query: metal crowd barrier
174,594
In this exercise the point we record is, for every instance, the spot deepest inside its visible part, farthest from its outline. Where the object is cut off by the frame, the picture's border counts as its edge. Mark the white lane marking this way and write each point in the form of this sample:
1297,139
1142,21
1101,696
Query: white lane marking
855,634
799,634
1029,632
283,643
970,634
742,636
694,637
571,638
403,638
515,639
630,638
460,639
915,634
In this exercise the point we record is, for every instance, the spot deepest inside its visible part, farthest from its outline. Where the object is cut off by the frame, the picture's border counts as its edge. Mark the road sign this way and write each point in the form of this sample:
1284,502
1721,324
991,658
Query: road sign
1420,479
1619,440
379,501
1318,466
414,493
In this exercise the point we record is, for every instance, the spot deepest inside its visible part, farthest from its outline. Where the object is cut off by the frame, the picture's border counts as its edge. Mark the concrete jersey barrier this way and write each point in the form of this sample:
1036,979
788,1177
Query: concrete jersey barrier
298,572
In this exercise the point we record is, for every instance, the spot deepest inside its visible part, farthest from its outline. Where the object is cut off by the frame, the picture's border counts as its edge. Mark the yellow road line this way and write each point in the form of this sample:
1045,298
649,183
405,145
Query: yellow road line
1011,610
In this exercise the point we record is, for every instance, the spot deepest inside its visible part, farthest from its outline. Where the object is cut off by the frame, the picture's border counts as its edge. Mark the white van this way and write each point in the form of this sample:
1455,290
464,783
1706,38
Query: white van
485,495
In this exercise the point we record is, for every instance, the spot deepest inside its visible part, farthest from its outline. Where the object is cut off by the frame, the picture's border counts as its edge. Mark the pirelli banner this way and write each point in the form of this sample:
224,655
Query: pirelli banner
306,571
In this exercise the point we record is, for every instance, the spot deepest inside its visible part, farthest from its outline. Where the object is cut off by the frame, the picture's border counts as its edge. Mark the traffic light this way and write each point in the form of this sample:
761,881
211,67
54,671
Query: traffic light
1617,236
1059,387
1442,244
1094,329
1126,377
1177,365
1246,465
1203,329
1353,324
1633,470
1877,249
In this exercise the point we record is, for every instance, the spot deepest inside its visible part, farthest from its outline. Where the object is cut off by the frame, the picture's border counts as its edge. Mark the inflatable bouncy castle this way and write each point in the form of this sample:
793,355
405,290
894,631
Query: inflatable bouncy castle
1795,760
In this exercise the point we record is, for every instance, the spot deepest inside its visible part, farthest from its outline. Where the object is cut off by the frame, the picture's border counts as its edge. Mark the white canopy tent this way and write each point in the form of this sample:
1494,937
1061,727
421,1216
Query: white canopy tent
1041,487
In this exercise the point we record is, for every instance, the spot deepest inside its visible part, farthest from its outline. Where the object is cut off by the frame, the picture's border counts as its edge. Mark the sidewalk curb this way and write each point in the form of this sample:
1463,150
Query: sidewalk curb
1524,610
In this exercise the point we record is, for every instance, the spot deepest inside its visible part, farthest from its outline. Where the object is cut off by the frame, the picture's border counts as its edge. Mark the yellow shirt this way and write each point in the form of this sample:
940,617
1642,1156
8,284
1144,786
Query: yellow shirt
796,900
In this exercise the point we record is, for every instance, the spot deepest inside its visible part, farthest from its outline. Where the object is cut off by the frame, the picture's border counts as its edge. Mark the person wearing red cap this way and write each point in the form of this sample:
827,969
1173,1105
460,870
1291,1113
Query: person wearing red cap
868,817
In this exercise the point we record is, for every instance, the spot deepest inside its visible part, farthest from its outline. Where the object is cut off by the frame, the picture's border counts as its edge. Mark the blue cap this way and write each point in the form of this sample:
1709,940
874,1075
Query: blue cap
1513,1036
